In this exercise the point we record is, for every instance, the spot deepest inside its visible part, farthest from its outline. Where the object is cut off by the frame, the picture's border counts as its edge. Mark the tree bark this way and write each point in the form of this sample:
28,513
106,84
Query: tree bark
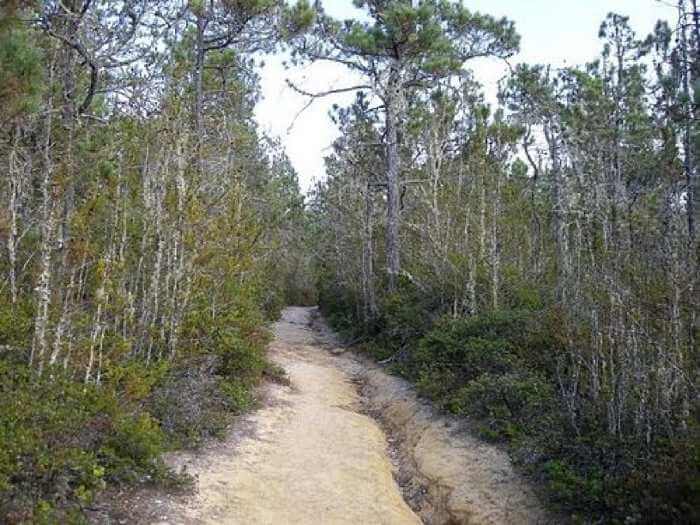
43,287
15,189
558,214
200,53
370,306
393,101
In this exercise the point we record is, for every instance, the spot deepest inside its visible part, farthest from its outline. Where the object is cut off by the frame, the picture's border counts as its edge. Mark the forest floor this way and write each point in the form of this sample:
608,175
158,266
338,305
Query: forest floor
344,442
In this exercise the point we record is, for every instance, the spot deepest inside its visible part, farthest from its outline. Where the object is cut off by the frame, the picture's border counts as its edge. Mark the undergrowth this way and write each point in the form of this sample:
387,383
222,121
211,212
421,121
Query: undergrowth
62,441
499,369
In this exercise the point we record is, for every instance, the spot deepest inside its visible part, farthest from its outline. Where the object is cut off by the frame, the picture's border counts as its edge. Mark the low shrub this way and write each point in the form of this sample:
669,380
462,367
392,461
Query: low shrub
16,325
193,403
467,365
594,475
376,350
499,369
509,404
406,316
131,452
60,441
338,310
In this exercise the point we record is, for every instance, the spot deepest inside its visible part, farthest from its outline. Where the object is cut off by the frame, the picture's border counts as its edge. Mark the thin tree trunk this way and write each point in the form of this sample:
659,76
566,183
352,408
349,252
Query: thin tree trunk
370,309
393,175
48,207
558,215
495,248
15,190
179,247
200,53
690,66
64,323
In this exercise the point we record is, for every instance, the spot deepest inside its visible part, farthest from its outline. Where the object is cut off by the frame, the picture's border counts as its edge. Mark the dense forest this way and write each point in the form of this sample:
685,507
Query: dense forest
145,223
531,266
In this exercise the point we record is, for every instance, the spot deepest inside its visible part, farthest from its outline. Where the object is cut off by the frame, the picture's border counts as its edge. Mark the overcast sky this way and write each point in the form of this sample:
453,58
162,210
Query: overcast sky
553,32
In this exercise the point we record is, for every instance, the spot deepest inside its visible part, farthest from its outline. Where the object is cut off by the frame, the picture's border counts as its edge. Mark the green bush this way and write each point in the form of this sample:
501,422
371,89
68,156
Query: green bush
241,356
238,396
193,403
375,350
595,475
338,308
135,379
457,351
16,324
133,448
509,404
567,484
60,440
406,315
195,397
479,367
21,69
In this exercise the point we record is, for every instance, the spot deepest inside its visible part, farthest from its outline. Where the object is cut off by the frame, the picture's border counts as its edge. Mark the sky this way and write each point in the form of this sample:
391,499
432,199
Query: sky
557,32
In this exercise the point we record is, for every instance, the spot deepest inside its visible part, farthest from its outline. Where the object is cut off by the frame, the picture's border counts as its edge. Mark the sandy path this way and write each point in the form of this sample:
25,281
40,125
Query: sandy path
309,456
312,456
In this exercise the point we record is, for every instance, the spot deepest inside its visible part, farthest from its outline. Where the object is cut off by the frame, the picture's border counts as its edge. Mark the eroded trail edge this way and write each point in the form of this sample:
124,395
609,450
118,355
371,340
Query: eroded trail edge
308,456
317,452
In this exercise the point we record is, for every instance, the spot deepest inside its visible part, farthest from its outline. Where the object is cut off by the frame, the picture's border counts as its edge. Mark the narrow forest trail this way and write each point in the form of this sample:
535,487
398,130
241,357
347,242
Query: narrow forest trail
311,455
308,456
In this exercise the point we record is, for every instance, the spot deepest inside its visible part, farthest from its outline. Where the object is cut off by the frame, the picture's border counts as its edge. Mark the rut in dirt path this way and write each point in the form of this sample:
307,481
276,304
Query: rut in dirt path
311,456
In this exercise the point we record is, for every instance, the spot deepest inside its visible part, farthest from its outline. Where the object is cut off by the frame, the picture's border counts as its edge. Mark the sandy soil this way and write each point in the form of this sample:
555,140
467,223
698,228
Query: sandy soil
310,458
447,475
346,443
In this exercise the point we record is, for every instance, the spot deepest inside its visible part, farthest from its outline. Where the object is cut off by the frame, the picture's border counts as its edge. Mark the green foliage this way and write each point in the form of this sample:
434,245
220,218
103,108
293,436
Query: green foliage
475,366
436,36
133,448
337,304
297,18
238,395
498,369
405,314
566,484
21,70
60,441
15,323
509,404
195,397
135,379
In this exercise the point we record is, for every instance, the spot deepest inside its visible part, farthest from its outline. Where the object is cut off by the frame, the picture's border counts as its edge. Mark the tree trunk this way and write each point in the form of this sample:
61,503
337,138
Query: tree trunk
370,307
393,101
15,190
495,245
199,90
558,214
693,184
43,287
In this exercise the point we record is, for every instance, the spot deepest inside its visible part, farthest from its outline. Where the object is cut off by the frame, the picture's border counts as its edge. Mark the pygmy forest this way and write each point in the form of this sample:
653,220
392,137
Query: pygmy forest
522,258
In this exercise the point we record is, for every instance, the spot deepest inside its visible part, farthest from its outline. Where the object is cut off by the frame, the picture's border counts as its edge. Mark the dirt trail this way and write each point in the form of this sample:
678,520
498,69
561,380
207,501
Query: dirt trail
312,455
311,458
